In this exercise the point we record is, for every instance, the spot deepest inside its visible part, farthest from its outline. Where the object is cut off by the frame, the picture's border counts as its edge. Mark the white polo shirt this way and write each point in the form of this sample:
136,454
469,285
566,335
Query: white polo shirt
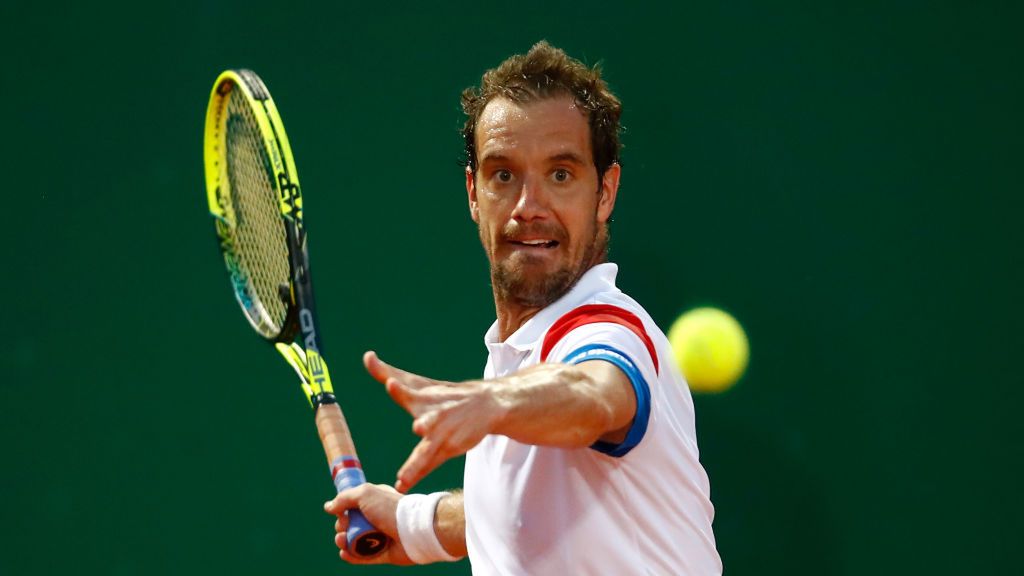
640,507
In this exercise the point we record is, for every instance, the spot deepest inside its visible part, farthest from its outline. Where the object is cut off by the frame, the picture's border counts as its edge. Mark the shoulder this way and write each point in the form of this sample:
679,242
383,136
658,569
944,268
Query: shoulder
612,321
616,334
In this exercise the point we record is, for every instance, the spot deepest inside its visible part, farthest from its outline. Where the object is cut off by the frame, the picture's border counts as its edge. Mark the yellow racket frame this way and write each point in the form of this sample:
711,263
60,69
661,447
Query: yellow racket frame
271,129
286,184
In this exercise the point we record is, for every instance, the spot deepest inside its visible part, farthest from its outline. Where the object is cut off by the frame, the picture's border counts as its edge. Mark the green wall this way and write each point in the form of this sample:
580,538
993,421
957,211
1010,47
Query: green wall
845,179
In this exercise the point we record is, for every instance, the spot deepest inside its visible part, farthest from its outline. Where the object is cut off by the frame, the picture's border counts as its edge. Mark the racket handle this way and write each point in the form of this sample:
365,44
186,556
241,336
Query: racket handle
364,540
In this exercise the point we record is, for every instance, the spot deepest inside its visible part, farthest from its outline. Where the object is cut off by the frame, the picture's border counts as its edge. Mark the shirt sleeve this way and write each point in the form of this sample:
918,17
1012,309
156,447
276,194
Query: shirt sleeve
622,347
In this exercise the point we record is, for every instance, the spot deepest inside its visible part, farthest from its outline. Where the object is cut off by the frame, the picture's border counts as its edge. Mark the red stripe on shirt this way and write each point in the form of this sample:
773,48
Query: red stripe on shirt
593,314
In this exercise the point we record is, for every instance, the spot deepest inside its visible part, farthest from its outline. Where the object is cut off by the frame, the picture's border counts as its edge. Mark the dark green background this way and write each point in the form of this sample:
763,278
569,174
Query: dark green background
845,179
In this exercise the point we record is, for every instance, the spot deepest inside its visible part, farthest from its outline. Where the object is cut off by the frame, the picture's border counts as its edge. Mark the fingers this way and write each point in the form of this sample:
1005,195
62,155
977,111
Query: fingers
381,371
378,503
376,367
387,557
425,423
424,459
421,401
345,500
449,426
341,524
342,543
402,395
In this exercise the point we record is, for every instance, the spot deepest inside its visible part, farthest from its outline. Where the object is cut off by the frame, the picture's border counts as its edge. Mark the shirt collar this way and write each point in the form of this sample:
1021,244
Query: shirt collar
600,278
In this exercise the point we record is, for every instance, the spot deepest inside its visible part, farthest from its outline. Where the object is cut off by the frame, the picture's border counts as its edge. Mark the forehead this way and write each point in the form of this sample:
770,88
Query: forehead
548,126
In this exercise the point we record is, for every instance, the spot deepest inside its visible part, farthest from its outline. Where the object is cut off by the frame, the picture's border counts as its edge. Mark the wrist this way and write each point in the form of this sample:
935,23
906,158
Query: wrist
499,402
415,519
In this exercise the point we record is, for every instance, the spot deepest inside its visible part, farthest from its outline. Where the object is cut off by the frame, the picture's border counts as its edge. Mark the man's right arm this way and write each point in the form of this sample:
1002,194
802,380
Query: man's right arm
379,503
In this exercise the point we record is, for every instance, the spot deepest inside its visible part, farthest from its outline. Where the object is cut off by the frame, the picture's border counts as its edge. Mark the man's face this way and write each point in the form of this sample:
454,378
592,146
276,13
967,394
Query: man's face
537,198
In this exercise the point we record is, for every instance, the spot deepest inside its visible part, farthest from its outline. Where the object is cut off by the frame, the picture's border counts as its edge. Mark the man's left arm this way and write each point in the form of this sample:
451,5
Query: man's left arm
565,405
551,404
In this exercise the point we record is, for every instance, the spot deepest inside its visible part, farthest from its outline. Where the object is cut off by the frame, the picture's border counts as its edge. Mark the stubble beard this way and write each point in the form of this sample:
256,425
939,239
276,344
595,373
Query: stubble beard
512,282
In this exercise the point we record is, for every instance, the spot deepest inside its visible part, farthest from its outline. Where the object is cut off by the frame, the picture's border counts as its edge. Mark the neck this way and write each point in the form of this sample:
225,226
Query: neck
512,315
512,312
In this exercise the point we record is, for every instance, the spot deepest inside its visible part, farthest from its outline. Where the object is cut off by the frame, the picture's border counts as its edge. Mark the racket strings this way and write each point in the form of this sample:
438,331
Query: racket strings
259,232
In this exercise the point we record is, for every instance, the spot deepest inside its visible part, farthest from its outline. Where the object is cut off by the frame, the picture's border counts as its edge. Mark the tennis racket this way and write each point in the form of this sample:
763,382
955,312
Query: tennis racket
253,193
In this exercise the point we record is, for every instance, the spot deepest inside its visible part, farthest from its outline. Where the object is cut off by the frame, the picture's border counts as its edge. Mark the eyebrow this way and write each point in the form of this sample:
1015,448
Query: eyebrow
570,157
493,157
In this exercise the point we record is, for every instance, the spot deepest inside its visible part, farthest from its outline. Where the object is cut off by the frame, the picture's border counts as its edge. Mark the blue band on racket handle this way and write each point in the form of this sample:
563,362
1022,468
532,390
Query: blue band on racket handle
363,539
347,473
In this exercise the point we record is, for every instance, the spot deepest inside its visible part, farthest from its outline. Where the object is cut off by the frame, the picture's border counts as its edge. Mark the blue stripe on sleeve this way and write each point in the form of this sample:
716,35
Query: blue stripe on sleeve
643,394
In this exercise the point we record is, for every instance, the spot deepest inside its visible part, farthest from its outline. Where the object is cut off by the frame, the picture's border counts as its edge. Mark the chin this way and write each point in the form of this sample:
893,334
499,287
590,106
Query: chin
529,269
534,283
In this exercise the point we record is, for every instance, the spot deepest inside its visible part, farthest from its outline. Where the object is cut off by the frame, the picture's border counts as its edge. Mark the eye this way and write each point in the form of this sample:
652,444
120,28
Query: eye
504,176
561,175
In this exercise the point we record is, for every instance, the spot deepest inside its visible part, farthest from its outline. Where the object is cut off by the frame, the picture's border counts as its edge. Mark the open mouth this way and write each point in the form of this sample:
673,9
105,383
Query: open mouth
540,243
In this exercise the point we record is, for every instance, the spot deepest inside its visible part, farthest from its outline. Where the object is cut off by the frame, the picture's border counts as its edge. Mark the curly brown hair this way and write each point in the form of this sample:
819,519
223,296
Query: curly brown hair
547,72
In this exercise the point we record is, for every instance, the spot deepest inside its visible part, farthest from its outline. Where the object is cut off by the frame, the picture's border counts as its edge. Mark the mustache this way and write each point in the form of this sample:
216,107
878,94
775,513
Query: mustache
550,230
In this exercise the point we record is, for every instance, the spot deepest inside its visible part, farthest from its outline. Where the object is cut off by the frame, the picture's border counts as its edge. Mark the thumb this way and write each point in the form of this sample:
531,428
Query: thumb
377,368
345,500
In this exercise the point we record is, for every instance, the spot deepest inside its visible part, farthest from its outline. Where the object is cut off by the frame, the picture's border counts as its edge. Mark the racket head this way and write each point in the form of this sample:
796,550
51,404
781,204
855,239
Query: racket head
253,193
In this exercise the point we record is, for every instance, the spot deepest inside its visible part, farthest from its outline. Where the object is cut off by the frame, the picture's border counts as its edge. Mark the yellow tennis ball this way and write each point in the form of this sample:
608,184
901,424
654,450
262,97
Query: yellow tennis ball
710,348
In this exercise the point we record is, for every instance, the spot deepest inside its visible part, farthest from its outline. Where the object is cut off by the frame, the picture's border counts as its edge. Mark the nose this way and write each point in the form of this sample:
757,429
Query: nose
532,201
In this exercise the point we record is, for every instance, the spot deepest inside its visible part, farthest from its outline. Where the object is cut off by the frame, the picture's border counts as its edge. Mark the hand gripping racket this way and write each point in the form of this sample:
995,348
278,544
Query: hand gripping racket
253,193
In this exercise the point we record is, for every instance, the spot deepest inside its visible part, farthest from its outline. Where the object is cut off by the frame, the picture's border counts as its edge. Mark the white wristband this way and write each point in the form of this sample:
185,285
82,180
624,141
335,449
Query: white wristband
415,516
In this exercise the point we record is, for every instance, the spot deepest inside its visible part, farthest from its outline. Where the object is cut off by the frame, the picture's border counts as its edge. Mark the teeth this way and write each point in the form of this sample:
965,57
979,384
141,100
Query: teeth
535,242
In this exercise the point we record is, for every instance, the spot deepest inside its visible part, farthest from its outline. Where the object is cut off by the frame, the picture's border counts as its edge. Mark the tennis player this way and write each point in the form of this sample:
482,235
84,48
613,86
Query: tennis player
581,454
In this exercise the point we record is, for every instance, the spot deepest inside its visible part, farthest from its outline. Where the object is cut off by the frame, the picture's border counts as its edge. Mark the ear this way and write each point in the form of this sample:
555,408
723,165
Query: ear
474,207
609,191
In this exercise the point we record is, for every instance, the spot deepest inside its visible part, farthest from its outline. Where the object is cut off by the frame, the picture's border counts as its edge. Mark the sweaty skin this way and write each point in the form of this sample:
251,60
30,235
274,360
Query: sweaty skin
541,209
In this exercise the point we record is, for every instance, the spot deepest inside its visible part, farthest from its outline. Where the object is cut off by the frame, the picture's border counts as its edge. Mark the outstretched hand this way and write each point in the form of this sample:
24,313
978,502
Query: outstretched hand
450,417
